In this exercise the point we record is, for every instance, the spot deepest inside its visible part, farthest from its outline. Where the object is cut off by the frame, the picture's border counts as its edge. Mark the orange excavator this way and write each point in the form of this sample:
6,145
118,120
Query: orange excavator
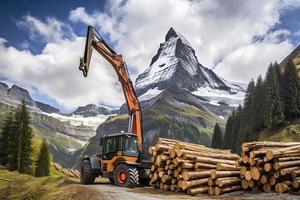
121,159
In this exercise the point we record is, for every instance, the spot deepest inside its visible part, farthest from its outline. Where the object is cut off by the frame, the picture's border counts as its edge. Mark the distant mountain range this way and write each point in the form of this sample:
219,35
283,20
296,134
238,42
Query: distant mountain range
65,133
19,94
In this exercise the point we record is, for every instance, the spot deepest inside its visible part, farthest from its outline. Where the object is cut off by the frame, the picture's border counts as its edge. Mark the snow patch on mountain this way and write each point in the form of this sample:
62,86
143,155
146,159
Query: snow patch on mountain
234,85
216,97
151,93
78,120
163,68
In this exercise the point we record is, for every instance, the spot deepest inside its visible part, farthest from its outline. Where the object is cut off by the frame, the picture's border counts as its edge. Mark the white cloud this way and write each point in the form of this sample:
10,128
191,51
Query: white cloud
51,30
297,33
54,72
214,28
218,30
249,61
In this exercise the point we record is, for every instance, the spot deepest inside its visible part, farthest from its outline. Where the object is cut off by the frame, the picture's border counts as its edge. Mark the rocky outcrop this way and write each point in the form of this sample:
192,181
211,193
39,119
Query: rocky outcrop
294,56
3,89
91,110
20,94
46,108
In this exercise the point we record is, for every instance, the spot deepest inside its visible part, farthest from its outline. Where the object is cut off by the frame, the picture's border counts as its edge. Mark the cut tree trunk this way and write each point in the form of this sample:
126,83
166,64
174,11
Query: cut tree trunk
227,181
219,191
226,167
187,184
195,175
197,190
220,174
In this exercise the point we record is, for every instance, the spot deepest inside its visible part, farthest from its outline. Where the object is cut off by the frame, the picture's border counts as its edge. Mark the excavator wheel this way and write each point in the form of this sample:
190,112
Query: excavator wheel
86,176
126,176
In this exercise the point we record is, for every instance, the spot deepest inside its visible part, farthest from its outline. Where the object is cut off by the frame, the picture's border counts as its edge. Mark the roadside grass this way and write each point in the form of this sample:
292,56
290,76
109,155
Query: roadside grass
55,187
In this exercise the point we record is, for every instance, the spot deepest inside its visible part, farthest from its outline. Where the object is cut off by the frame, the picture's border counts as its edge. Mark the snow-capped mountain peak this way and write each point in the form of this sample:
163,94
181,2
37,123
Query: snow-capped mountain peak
174,34
176,65
173,55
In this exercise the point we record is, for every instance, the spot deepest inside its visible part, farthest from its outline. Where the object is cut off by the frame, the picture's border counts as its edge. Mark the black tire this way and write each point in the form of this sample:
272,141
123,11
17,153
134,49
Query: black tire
86,176
132,175
111,180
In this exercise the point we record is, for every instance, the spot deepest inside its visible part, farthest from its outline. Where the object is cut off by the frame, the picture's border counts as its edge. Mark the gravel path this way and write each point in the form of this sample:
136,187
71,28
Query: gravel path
108,191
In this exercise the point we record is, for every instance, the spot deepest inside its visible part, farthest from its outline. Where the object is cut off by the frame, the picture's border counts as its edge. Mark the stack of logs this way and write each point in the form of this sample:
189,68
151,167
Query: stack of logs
270,166
193,168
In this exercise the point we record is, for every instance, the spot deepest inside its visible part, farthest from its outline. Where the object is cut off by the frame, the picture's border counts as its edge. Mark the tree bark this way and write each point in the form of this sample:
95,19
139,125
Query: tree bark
283,187
220,174
197,190
219,191
182,152
228,181
195,175
280,165
226,167
187,184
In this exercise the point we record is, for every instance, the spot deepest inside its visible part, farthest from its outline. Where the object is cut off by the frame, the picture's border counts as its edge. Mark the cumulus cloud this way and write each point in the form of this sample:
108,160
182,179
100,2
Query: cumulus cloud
238,38
51,30
215,29
54,72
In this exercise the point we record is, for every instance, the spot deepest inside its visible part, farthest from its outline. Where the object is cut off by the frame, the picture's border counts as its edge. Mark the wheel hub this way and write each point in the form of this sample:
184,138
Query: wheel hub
121,176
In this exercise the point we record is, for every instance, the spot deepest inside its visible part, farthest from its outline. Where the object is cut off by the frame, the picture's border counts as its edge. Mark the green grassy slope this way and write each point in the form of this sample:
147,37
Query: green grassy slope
25,187
289,133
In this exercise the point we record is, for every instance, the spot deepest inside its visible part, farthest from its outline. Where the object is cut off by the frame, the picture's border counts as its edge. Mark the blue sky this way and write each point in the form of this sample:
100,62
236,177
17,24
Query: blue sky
13,10
230,36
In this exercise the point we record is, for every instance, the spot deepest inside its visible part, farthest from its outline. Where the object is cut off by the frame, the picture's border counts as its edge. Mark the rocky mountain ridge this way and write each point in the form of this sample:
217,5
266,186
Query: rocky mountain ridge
92,110
19,94
176,64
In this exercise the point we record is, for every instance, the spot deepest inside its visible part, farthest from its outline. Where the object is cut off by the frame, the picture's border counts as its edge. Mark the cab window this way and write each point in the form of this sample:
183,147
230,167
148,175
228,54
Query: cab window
131,146
111,145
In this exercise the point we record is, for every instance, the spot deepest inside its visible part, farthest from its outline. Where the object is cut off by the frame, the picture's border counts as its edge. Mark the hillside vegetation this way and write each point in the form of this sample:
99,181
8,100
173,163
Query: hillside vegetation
290,133
271,109
54,187
50,129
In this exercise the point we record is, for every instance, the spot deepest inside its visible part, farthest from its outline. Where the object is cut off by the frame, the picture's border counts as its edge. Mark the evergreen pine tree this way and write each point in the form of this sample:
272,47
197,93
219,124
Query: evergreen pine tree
247,118
43,162
217,140
274,116
279,75
236,128
228,135
25,131
13,145
290,91
258,106
6,139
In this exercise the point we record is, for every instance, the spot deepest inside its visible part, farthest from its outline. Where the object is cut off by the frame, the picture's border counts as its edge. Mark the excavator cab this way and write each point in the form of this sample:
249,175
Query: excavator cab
120,144
121,159
117,161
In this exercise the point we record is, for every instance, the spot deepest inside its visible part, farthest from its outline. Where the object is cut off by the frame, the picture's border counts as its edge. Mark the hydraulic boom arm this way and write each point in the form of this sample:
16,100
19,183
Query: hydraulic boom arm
133,104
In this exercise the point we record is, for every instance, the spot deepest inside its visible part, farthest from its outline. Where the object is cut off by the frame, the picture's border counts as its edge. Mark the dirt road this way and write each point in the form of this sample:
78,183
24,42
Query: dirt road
111,192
